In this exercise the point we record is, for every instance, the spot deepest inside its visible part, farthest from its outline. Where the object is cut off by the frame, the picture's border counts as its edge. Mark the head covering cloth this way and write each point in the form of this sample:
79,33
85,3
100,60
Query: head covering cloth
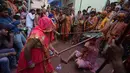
39,31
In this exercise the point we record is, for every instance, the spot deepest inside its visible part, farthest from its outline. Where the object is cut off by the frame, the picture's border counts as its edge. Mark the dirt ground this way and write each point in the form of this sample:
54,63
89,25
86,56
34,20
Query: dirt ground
71,66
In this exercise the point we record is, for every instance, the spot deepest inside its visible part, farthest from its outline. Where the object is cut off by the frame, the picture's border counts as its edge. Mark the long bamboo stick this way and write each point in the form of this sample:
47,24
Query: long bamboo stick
76,45
79,32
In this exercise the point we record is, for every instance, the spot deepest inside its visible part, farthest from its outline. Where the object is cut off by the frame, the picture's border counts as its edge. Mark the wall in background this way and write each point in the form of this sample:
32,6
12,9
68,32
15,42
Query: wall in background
98,4
39,3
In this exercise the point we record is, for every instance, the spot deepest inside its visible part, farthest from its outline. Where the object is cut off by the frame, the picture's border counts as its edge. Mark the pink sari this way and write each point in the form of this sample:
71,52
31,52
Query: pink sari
36,54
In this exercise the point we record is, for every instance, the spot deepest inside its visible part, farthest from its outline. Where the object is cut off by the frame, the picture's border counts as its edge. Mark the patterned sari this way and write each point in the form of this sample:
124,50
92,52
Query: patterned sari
91,23
103,23
37,54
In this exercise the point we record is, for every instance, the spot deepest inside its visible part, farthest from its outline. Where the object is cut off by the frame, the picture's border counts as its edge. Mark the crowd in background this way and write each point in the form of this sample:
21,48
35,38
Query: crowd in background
112,22
12,37
16,25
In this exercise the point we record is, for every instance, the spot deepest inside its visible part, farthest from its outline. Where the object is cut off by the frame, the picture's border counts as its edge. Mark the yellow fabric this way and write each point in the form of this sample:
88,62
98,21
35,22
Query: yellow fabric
104,21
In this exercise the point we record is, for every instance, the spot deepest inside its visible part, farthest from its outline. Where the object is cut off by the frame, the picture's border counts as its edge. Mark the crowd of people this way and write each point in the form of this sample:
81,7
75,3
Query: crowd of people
26,37
12,39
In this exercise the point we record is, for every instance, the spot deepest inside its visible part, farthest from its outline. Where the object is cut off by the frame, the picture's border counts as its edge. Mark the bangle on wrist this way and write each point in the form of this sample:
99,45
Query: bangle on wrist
30,62
52,49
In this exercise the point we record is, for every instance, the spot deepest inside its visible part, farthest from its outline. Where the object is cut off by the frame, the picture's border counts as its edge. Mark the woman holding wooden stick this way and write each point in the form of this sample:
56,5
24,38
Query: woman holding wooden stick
37,49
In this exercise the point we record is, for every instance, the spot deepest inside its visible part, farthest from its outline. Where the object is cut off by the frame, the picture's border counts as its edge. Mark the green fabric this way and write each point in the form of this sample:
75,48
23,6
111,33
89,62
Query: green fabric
92,34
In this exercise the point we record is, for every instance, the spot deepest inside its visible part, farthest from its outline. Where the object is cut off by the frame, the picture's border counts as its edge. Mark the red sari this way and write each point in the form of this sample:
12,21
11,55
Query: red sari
36,54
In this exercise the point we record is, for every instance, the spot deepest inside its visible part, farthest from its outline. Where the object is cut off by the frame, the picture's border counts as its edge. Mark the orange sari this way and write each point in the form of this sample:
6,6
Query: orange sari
92,23
66,27
12,6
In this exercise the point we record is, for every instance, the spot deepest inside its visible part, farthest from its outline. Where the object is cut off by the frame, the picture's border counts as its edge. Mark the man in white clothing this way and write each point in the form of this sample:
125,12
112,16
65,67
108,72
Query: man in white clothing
30,20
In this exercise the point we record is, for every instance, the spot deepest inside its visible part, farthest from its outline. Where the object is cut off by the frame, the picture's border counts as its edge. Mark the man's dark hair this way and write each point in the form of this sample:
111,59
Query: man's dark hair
31,10
84,10
38,10
113,5
1,1
2,8
79,11
93,12
17,17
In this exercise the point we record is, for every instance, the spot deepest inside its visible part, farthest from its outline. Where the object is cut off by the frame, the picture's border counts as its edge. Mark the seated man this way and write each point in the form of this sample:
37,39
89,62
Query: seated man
19,39
4,65
6,44
4,61
87,58
5,19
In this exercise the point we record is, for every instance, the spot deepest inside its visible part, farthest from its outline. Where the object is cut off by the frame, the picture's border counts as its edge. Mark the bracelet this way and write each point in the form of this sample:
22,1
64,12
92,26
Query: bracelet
30,62
52,49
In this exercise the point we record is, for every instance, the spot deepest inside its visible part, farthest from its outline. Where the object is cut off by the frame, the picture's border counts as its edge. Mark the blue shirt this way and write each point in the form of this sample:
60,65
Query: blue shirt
10,24
6,21
15,29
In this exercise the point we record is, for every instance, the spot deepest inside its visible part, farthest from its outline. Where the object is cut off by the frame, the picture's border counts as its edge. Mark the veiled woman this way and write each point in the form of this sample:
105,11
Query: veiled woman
37,49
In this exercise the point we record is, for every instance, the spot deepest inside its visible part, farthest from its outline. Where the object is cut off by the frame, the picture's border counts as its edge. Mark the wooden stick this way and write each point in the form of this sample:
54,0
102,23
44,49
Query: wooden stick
79,32
72,33
68,59
102,66
56,32
76,45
